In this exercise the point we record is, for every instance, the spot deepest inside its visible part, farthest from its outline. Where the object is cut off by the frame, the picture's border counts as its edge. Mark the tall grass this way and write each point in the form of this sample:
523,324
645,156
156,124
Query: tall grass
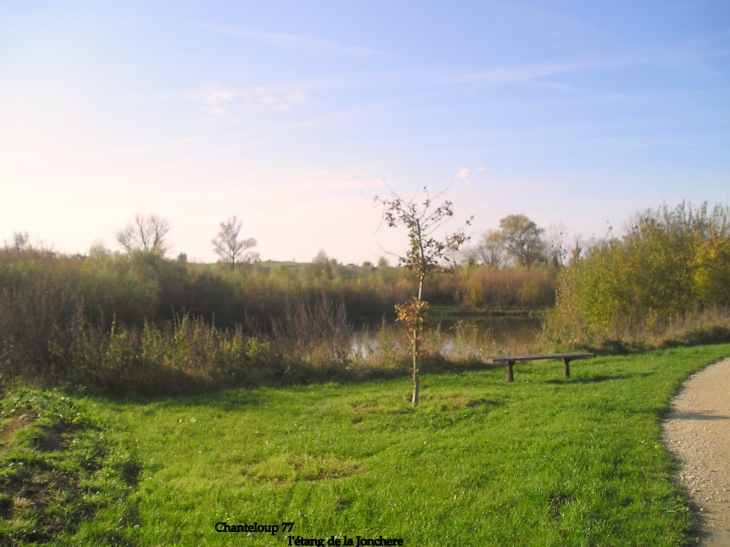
564,329
504,289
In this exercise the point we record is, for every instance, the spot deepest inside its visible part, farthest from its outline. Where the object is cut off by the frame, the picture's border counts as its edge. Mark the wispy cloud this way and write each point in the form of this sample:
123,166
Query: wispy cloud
221,101
673,54
466,173
427,84
294,41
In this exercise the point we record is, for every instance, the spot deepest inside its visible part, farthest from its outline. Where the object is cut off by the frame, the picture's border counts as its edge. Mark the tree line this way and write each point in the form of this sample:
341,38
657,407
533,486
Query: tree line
140,321
116,318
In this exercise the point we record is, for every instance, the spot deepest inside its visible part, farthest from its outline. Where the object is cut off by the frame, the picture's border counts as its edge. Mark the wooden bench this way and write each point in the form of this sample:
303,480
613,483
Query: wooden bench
510,360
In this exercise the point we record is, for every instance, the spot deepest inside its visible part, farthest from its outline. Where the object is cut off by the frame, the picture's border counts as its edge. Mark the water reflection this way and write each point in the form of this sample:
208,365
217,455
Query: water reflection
490,334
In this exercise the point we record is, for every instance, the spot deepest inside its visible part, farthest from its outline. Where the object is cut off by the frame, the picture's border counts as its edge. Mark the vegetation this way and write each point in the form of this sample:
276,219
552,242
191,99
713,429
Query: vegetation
670,264
468,466
97,320
547,460
65,476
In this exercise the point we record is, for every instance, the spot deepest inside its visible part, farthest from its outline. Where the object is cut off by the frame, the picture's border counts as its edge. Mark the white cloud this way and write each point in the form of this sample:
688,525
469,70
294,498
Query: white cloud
463,174
215,110
223,95
263,98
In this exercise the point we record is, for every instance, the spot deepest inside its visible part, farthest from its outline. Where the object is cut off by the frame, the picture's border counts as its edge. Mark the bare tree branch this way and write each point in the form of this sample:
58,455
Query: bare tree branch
147,234
227,245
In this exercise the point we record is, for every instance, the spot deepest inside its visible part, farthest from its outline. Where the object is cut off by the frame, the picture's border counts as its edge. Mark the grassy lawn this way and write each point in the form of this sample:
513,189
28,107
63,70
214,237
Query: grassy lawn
544,461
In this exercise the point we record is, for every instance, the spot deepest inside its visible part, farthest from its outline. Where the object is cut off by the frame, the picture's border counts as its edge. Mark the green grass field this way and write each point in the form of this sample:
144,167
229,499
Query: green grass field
546,461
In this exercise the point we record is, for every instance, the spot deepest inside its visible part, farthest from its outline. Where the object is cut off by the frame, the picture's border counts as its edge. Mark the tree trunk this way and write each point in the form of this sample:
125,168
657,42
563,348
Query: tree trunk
416,380
416,333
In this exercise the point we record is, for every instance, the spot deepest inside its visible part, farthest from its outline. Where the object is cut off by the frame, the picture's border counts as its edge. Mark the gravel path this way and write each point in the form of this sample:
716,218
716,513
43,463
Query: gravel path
697,431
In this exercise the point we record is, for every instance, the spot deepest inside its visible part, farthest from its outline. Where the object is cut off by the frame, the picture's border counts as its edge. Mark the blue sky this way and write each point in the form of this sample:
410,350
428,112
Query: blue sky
293,115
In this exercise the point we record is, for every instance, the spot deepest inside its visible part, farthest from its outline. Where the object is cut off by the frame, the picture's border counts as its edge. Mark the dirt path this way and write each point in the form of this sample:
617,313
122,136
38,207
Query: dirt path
697,431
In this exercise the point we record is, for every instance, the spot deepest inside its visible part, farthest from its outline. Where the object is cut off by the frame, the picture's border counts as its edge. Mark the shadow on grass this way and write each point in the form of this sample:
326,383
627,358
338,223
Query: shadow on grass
228,400
598,378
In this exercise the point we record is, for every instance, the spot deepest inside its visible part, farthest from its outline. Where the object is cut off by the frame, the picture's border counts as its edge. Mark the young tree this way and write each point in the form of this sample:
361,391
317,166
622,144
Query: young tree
227,245
522,239
147,234
422,218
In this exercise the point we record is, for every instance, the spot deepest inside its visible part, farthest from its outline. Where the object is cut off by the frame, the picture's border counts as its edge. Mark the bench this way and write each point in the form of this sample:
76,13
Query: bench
510,360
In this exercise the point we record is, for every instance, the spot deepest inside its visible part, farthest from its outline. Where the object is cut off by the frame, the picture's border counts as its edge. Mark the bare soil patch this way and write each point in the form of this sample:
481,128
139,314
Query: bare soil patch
697,431
12,425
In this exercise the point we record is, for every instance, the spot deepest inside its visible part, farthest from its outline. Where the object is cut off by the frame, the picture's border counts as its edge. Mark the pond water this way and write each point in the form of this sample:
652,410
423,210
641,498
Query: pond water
488,333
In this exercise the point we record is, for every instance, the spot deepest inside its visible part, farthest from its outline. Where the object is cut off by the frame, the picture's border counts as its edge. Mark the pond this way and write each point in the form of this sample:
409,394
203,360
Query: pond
491,334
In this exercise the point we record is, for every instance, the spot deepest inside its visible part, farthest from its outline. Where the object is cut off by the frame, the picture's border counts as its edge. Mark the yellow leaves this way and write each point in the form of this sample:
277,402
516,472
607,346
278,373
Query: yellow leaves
413,314
711,271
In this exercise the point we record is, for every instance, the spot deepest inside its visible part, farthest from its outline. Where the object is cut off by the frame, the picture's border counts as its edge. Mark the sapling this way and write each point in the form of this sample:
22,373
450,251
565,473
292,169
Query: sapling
426,253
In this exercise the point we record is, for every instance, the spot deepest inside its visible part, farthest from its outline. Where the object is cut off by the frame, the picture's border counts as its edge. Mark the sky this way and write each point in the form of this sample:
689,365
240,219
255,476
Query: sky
294,115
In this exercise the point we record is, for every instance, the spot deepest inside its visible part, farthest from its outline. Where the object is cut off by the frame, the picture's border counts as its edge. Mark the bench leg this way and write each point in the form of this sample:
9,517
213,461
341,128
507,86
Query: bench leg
566,368
510,372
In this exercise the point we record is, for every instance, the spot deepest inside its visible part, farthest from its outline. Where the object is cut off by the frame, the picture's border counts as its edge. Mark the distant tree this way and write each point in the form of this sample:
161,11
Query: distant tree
490,250
577,248
469,256
556,236
522,239
231,249
323,266
383,262
99,250
321,258
424,255
146,234
21,241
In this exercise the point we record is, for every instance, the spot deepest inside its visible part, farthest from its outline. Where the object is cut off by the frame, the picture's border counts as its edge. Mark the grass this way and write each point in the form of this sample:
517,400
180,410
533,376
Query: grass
61,479
545,461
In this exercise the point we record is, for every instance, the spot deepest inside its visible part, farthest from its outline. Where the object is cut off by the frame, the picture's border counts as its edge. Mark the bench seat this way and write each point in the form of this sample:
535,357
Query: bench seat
510,360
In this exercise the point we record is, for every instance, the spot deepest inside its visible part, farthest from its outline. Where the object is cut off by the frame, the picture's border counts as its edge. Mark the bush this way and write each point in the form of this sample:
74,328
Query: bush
669,263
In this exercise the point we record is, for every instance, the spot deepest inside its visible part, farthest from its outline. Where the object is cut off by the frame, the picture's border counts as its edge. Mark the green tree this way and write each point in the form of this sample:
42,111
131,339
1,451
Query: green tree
669,260
711,269
422,218
522,239
490,250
